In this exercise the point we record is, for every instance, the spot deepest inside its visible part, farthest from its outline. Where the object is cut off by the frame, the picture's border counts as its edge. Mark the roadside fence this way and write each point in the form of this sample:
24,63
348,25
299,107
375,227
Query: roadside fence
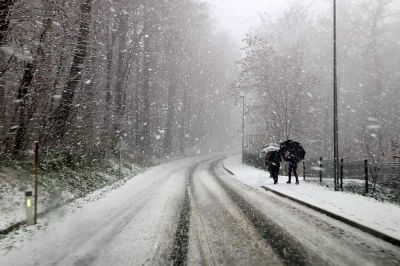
370,174
359,176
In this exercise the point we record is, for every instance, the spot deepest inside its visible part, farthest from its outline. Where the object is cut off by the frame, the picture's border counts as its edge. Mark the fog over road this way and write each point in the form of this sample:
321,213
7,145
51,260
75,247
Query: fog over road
193,212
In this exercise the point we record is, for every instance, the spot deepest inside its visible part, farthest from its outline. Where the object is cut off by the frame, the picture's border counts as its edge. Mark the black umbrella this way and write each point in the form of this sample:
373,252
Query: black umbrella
292,151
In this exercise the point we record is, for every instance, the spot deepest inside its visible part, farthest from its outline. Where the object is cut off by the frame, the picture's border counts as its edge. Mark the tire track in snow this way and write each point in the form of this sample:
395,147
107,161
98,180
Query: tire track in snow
221,233
289,249
327,241
110,231
181,242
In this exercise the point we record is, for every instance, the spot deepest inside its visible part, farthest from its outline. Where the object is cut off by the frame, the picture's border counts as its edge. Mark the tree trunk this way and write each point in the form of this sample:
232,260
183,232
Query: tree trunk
107,116
22,107
90,109
89,92
19,120
3,109
46,113
5,6
170,116
64,109
22,102
184,121
120,103
146,139
137,109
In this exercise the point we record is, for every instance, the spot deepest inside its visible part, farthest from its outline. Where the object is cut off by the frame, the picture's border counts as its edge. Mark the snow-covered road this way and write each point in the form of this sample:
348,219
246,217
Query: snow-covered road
132,225
193,211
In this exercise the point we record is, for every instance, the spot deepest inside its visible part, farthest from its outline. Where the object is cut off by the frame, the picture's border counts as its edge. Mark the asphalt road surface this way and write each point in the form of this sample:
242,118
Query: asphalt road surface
192,212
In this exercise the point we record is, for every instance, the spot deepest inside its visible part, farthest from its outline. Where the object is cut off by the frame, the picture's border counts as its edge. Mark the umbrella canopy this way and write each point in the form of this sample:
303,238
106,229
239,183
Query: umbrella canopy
271,147
292,151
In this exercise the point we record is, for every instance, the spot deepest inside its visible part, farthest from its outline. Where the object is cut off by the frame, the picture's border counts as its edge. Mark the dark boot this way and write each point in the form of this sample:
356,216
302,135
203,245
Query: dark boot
289,182
297,182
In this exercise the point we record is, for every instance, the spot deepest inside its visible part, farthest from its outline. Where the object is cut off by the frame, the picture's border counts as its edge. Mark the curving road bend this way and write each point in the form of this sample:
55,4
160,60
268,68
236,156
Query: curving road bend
296,234
191,212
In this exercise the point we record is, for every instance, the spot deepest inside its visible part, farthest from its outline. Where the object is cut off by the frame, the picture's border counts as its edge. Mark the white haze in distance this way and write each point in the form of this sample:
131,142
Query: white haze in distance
238,16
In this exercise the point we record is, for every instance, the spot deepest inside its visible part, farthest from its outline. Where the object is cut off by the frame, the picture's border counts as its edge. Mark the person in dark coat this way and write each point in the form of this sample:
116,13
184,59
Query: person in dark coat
273,162
293,169
292,152
293,161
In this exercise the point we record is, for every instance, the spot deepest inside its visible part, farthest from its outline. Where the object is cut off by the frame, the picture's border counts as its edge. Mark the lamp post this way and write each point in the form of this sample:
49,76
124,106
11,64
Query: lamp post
335,104
242,127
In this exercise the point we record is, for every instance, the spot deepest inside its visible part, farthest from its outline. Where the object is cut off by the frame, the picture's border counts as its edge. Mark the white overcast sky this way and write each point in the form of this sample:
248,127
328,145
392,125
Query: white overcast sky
238,16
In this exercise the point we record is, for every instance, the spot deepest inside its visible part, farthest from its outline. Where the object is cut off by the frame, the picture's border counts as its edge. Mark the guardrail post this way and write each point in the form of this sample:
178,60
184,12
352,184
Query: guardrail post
304,170
366,175
30,219
341,173
320,169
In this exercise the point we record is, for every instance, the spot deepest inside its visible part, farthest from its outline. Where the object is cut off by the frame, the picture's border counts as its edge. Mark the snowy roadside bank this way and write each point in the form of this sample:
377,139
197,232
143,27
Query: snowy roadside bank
55,189
131,224
380,216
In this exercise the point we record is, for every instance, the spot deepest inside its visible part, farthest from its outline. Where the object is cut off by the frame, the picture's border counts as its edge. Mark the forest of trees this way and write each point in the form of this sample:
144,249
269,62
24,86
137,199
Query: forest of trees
83,76
287,73
80,76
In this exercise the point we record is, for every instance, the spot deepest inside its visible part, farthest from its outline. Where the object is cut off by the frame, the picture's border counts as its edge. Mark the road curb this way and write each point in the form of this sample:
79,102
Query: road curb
366,229
226,169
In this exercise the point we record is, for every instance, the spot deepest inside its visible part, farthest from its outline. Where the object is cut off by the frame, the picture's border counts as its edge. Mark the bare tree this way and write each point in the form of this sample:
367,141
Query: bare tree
5,7
80,77
63,111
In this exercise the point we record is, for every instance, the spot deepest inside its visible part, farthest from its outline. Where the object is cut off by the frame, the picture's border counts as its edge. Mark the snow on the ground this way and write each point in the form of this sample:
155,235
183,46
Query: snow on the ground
14,183
11,198
381,216
134,222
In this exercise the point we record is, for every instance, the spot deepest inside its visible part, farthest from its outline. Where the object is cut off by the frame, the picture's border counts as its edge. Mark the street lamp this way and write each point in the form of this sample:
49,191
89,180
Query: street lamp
335,105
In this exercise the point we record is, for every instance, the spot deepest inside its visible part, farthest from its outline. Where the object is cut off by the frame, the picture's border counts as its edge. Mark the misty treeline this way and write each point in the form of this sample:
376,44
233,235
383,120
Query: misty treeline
288,81
85,76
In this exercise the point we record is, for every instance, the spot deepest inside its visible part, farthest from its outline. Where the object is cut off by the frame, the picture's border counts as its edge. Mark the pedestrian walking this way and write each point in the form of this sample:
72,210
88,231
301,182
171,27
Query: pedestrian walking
273,161
293,153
